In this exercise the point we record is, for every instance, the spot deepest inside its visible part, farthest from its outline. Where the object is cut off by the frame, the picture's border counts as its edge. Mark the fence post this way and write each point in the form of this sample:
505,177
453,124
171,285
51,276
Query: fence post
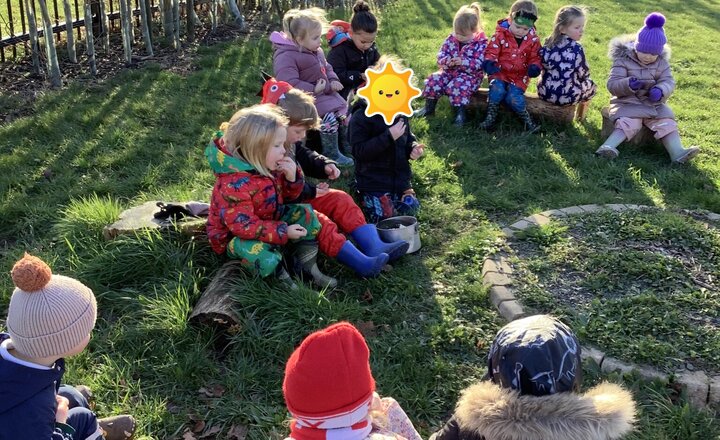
89,39
69,31
53,67
32,29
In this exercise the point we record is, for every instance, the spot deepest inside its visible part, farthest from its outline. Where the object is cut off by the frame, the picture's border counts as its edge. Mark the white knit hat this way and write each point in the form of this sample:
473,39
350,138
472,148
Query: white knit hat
49,315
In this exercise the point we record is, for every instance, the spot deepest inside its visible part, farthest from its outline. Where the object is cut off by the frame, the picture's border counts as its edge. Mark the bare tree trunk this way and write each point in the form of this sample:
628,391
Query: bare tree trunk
167,19
34,43
131,27
69,31
213,14
189,23
145,27
53,66
89,39
237,14
104,27
176,23
125,29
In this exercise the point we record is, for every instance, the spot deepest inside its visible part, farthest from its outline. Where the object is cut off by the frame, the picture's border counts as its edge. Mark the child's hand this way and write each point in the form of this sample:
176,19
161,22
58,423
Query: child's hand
332,171
635,83
336,86
490,67
363,76
288,167
655,94
397,130
320,86
533,70
455,61
322,189
63,406
417,151
296,231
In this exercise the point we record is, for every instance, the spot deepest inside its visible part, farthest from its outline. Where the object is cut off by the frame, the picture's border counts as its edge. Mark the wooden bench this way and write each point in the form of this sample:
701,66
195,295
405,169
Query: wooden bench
644,137
537,107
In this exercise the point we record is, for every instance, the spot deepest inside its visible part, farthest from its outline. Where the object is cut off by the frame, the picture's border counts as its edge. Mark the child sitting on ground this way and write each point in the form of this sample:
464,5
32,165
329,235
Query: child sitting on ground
329,390
641,83
566,77
299,60
535,372
511,59
248,220
352,56
460,61
50,317
382,160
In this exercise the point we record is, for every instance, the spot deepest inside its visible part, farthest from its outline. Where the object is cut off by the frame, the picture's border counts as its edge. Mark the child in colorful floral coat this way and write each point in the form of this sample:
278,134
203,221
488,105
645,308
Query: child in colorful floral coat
511,59
460,61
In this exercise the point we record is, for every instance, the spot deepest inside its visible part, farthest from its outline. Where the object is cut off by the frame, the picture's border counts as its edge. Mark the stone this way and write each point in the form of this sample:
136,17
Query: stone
697,386
508,233
714,397
571,210
712,216
553,213
141,218
500,294
591,208
511,310
537,219
489,265
610,365
592,353
616,206
650,373
521,225
496,279
634,207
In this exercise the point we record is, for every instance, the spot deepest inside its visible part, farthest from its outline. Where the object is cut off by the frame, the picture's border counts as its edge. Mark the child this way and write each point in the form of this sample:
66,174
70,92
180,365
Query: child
460,61
566,77
351,57
535,372
50,317
299,60
382,160
330,391
511,59
247,219
335,209
641,82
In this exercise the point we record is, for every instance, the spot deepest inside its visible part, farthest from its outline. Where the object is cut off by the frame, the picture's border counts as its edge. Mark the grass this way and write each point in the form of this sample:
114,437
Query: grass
89,151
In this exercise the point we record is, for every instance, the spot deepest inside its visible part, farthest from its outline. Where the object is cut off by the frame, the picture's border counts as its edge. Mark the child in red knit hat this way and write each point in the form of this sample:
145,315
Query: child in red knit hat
330,391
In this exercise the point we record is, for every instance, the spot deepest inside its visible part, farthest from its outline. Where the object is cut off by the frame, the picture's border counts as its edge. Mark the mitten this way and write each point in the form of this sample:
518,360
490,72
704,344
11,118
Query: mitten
635,83
533,70
655,94
490,67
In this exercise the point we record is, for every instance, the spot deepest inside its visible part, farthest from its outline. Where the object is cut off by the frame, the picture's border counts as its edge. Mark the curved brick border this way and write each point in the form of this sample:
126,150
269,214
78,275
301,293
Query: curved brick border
497,274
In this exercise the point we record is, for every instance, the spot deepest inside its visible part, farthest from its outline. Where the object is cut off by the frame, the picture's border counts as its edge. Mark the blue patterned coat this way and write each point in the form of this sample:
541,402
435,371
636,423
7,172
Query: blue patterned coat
566,75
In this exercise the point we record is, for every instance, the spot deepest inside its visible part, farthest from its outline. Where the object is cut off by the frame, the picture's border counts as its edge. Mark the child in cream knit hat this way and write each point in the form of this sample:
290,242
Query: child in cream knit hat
50,317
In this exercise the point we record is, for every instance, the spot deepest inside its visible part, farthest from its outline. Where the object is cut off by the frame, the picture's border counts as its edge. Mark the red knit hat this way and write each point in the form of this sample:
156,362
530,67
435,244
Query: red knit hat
329,375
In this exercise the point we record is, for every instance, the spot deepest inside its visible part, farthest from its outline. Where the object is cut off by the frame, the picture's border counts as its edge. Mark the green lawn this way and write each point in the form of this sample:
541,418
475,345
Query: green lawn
88,152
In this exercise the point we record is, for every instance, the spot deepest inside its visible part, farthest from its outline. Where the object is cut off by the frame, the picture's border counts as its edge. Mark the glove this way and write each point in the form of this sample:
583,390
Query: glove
635,83
490,67
533,70
655,94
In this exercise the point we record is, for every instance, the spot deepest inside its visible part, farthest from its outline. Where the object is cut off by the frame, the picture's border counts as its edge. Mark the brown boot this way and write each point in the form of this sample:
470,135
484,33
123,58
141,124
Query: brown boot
118,427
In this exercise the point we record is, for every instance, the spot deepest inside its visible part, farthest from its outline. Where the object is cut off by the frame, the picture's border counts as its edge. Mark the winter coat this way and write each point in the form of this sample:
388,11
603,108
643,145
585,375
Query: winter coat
487,411
566,74
244,203
625,102
303,69
382,164
313,165
513,60
349,62
471,54
27,401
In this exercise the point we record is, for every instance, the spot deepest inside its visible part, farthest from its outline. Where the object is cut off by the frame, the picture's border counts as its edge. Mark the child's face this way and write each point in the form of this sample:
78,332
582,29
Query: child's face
646,58
363,40
295,133
276,150
518,30
463,36
575,29
311,40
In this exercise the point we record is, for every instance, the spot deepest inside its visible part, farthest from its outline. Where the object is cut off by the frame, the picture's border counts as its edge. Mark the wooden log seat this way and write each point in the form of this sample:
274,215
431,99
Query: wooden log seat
538,108
644,137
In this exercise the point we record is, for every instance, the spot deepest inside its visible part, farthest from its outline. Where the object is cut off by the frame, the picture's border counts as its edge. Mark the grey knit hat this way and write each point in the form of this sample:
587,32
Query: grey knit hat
49,315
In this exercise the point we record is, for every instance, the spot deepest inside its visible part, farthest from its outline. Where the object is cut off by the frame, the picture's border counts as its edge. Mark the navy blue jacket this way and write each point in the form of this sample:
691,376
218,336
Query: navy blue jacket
349,62
27,401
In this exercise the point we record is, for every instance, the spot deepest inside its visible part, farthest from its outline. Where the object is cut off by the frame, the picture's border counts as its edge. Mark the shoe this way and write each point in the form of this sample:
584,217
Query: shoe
460,115
369,241
530,126
329,142
492,113
365,266
305,254
343,143
607,152
428,110
118,427
284,277
690,152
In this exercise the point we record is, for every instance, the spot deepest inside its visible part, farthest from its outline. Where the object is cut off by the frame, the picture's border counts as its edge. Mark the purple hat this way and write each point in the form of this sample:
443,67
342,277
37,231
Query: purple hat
651,38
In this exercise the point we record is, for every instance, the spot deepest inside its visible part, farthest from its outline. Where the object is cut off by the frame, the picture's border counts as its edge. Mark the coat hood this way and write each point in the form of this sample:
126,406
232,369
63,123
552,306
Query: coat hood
221,162
624,47
606,411
281,43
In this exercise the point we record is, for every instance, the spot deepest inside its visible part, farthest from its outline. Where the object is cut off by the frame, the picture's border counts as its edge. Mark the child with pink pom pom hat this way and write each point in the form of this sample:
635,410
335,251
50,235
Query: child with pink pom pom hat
641,83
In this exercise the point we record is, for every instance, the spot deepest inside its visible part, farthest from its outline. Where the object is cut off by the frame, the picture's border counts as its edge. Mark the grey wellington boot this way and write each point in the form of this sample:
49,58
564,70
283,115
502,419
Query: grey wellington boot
530,126
674,147
305,254
329,142
428,110
492,112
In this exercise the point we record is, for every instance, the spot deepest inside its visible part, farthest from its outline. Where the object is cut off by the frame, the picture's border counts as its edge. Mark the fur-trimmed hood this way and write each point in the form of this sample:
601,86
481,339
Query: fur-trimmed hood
605,412
624,47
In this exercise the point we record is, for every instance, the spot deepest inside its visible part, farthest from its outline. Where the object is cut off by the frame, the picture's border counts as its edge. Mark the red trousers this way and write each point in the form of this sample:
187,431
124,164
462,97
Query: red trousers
338,214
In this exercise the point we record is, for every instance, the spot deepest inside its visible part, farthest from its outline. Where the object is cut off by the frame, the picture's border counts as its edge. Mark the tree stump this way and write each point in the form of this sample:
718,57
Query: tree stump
538,108
644,137
215,306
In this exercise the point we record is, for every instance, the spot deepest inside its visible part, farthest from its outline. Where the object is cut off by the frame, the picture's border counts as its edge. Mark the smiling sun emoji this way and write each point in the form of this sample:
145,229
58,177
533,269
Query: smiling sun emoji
388,92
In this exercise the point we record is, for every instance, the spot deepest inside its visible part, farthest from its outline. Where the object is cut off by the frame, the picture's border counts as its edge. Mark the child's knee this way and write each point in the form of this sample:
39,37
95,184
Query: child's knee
256,256
497,91
662,127
629,126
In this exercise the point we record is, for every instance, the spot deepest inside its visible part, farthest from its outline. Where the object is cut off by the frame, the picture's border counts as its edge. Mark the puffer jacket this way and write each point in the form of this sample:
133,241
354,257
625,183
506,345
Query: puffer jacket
349,62
512,58
487,411
626,102
244,203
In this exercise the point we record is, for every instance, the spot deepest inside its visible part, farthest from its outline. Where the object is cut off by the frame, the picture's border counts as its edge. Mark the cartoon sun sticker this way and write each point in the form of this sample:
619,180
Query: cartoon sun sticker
388,92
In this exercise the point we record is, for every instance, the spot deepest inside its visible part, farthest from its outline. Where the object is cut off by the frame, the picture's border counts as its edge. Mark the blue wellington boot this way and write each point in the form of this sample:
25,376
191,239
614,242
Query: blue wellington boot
367,238
364,266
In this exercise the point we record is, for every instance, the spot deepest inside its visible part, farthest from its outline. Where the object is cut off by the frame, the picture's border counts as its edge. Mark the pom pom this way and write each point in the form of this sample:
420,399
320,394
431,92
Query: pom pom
655,20
30,273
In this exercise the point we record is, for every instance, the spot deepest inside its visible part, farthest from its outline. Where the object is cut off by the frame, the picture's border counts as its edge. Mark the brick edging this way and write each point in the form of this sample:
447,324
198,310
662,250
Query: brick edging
497,275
